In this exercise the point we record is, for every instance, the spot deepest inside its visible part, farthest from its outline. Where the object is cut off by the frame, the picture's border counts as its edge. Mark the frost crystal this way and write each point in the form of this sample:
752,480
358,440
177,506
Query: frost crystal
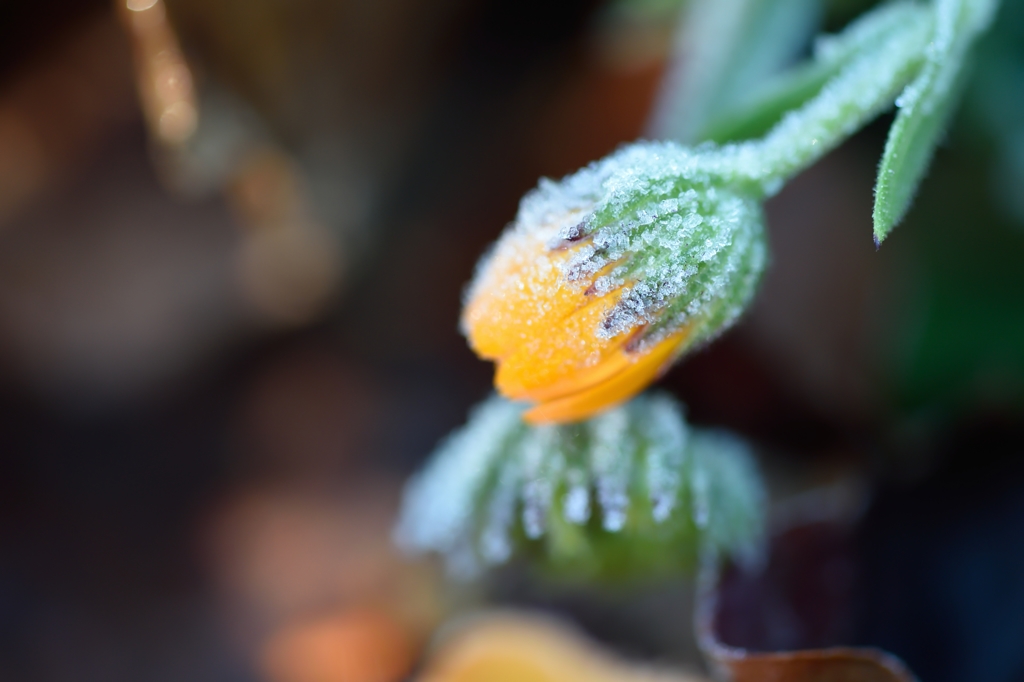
542,465
611,438
666,446
576,504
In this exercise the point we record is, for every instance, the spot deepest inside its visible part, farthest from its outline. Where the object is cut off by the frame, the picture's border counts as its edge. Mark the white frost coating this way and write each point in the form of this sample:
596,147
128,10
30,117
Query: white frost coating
861,91
944,57
542,464
576,503
495,538
925,107
611,461
438,505
687,250
666,434
732,490
866,32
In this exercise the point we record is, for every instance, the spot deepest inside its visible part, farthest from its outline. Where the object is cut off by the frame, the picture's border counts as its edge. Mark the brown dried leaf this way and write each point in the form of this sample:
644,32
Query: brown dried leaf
778,622
840,664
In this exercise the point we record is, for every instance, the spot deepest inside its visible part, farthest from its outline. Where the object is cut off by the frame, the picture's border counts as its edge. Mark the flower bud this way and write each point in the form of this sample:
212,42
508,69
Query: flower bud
609,275
633,492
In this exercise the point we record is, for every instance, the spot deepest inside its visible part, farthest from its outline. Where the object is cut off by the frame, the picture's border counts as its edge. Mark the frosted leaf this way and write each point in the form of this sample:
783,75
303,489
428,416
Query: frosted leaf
542,464
611,438
440,500
495,539
666,436
576,503
865,33
925,107
732,492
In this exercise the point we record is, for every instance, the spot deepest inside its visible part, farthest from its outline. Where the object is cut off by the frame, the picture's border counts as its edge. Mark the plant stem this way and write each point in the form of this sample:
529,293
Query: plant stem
862,90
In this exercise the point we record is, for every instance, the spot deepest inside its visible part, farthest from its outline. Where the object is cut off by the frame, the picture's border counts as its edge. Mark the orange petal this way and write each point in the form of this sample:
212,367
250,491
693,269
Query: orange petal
527,648
629,381
520,293
563,358
612,362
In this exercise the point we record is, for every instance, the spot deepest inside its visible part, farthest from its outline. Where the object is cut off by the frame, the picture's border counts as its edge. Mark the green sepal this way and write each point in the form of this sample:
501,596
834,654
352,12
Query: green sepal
631,494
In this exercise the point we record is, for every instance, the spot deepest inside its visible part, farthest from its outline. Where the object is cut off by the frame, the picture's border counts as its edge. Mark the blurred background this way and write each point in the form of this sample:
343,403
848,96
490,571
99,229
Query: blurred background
233,240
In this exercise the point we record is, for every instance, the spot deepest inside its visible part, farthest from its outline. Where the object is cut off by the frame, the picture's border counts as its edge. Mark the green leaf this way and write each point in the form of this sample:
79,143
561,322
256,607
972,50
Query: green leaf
925,107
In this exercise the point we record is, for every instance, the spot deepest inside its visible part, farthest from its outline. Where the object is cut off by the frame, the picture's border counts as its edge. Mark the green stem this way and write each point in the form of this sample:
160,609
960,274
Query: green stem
862,90
766,105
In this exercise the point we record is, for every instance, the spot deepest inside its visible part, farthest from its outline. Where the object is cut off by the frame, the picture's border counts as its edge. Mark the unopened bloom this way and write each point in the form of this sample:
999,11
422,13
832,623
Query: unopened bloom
634,491
608,276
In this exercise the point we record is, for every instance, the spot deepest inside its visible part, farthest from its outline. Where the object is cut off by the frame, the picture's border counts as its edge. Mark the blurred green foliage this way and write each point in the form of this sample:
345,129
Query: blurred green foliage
957,271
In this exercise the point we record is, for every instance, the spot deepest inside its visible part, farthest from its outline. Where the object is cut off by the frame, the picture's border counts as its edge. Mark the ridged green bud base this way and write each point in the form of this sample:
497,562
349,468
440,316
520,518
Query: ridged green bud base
683,246
629,494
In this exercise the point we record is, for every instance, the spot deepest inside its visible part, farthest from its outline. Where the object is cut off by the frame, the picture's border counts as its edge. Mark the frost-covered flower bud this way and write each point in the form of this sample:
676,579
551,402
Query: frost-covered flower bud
629,493
609,275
